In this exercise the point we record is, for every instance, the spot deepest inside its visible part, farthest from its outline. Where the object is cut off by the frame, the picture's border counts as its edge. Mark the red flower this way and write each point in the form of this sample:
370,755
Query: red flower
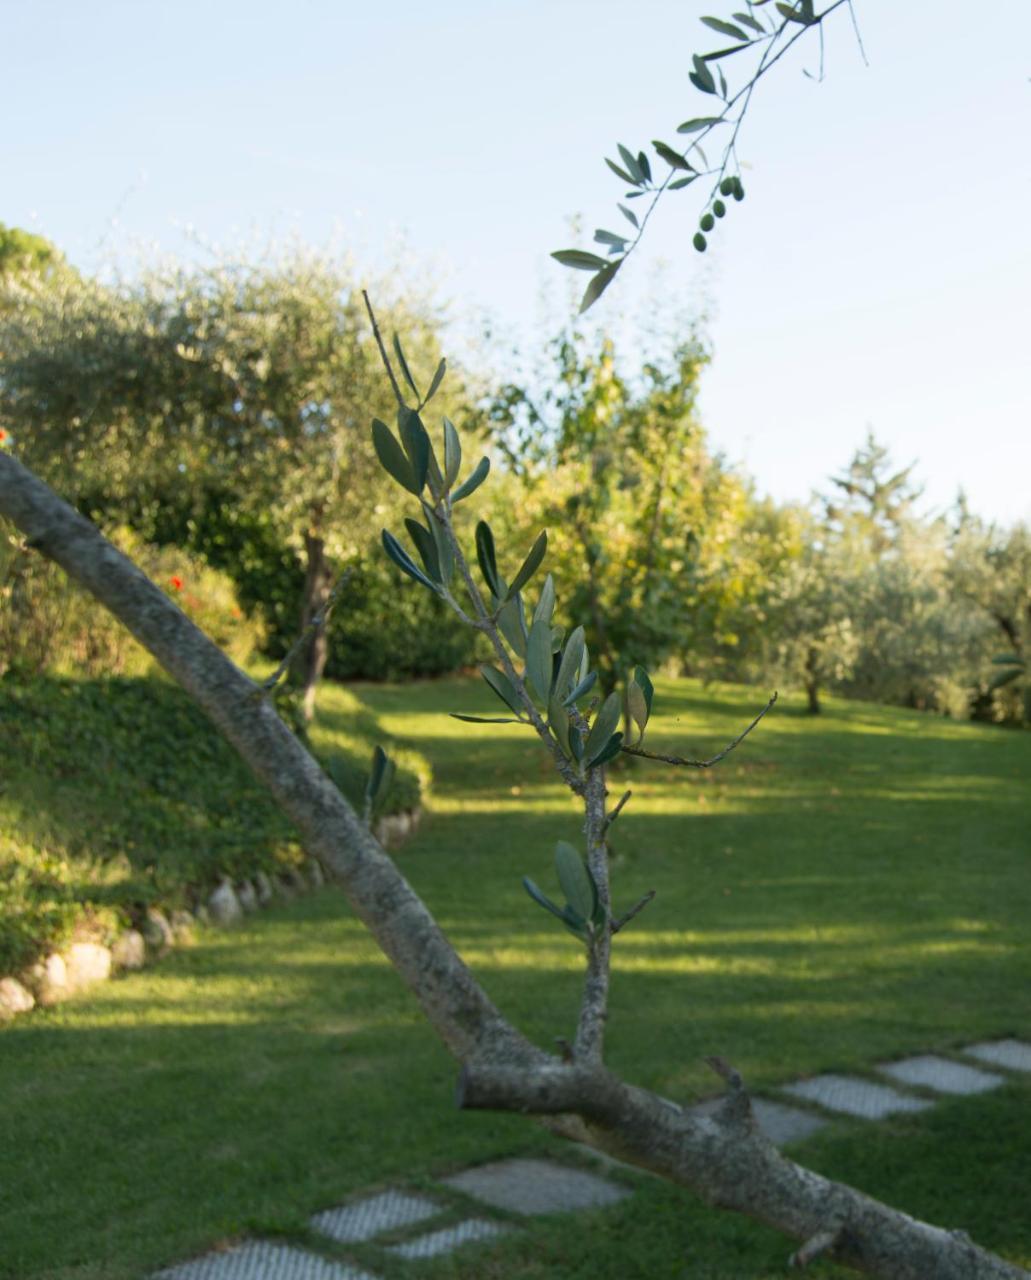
3,435
176,582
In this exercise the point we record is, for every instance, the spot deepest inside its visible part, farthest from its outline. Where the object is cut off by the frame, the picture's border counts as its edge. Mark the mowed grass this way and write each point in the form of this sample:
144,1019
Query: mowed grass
839,891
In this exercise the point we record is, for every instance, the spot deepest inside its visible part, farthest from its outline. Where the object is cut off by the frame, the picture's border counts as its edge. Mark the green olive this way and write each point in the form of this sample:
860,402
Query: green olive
700,242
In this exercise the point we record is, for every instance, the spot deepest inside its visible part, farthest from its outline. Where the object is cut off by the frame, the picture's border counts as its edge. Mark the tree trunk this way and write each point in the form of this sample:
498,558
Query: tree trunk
722,1157
812,681
311,658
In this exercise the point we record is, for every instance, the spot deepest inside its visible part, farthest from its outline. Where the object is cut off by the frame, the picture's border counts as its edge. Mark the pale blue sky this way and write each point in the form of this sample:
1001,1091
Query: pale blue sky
878,275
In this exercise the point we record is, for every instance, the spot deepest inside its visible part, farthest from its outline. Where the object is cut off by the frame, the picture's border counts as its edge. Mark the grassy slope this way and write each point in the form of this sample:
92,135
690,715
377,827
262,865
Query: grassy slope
838,891
118,793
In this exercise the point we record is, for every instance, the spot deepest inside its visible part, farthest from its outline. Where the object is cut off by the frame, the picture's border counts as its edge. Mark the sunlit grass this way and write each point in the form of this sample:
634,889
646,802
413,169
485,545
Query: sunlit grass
840,891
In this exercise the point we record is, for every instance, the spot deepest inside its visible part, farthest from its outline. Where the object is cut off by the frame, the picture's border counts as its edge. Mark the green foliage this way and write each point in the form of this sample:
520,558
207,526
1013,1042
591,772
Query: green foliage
989,571
389,629
381,778
864,606
27,256
582,913
649,536
49,624
226,404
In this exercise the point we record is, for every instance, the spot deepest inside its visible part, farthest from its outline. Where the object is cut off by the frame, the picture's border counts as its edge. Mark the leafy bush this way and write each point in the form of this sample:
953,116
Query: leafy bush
386,628
48,624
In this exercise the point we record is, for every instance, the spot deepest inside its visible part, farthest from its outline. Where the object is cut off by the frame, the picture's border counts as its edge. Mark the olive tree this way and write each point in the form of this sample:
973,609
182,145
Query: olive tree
248,381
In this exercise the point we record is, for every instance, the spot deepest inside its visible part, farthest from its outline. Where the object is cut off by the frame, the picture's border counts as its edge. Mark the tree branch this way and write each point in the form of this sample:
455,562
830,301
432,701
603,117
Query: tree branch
725,1159
383,352
636,909
590,1032
703,764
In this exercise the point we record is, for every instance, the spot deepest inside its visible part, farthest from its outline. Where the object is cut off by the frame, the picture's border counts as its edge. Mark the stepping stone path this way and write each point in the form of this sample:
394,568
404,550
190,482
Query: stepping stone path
854,1097
365,1219
941,1075
531,1187
449,1238
536,1186
1012,1054
263,1261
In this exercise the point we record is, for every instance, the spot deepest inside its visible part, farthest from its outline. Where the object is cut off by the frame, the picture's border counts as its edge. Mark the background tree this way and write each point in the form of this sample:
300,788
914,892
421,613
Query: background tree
990,569
239,386
809,638
25,254
647,528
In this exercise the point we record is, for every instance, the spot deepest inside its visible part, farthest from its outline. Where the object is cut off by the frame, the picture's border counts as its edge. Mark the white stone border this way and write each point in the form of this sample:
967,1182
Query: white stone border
63,973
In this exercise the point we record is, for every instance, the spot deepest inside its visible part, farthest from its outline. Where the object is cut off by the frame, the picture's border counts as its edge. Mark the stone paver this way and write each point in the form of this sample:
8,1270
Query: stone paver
363,1219
940,1074
854,1097
536,1186
1015,1055
779,1122
782,1124
443,1241
261,1260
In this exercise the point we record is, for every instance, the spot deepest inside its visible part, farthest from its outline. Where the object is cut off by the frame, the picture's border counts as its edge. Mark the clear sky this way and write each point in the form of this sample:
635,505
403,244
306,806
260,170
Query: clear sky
877,276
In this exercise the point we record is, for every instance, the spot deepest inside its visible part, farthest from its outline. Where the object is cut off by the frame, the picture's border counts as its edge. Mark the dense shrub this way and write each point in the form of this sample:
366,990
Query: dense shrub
48,624
387,627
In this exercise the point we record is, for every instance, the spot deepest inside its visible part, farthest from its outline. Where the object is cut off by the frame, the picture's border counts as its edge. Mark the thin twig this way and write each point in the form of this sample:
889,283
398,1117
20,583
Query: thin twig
727,1073
383,351
624,920
618,809
859,38
318,621
702,764
814,1247
746,93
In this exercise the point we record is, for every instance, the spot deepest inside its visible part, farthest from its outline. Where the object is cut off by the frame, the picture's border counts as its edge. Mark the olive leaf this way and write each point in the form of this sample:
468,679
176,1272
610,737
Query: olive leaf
473,481
604,726
503,687
392,456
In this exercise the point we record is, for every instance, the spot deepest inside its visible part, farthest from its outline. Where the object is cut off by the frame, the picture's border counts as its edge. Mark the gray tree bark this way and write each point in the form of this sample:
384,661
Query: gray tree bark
723,1158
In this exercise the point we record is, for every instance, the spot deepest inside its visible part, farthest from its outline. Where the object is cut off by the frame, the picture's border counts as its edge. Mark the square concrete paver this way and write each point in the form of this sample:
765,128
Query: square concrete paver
854,1097
940,1074
261,1260
1015,1055
783,1124
443,1241
780,1123
363,1219
536,1186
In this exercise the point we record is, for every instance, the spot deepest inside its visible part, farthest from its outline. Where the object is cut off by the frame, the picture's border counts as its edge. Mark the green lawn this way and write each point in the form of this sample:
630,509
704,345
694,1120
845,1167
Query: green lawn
840,890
